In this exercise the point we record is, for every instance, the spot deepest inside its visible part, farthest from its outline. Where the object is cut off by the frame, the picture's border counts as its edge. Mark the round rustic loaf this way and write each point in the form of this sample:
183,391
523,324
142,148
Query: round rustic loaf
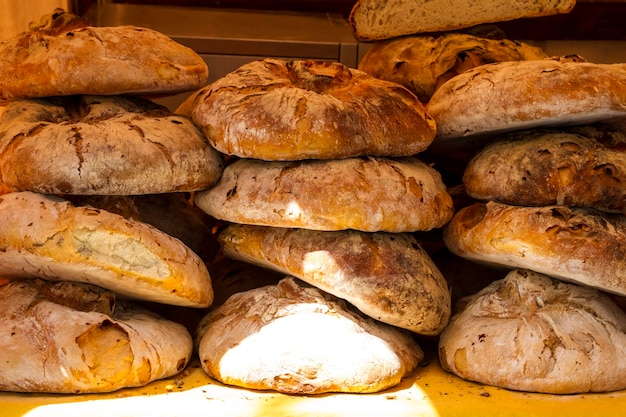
47,237
107,145
423,63
582,245
518,95
583,166
275,109
77,338
63,55
387,276
368,194
532,333
298,340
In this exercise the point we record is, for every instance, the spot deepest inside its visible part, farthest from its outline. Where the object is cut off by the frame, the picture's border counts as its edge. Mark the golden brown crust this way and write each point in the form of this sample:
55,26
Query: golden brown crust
74,338
532,333
296,339
62,55
105,145
47,237
274,109
585,246
583,166
423,63
389,277
368,194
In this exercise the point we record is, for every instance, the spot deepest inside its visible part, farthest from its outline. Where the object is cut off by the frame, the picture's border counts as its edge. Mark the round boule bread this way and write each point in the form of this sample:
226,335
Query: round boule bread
423,63
583,166
106,145
296,339
387,276
581,245
530,332
516,95
62,55
47,237
71,338
274,109
368,194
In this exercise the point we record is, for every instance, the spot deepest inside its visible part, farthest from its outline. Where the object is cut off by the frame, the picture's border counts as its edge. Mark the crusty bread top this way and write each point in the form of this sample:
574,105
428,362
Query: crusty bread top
62,55
385,19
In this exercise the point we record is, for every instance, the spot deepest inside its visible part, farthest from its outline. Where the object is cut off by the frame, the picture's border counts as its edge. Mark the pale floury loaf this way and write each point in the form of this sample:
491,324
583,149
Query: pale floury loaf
530,332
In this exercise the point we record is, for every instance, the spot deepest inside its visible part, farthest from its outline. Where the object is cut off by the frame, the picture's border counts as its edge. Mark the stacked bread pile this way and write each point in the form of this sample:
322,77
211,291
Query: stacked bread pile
547,173
79,151
323,185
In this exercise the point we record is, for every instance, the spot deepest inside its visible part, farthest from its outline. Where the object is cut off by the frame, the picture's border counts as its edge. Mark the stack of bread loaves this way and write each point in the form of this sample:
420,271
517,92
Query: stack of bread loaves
547,168
322,185
79,151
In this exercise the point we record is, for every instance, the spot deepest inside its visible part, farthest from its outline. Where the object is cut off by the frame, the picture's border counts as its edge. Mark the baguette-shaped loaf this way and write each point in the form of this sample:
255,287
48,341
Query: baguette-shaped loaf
532,333
368,194
387,276
76,338
47,237
385,19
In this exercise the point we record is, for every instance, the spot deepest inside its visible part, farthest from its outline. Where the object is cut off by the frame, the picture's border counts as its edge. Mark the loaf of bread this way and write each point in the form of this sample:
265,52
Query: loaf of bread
385,19
368,194
530,332
387,276
74,338
296,339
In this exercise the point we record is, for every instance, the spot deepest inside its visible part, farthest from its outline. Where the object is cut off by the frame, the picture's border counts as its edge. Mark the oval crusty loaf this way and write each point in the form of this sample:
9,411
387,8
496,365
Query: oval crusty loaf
103,145
296,339
385,19
75,338
583,166
518,95
48,237
62,55
423,63
585,246
389,277
532,333
368,194
274,109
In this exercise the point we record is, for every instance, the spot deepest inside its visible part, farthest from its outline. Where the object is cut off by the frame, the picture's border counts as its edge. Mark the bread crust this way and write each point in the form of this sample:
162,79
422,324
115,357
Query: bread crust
76,338
582,167
516,95
104,145
63,55
532,333
368,194
581,245
423,63
389,277
297,339
47,237
275,109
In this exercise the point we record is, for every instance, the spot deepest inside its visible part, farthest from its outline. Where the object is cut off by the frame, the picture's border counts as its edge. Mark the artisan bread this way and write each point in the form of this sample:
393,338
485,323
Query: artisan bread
297,339
581,245
385,19
63,55
516,95
47,237
389,277
77,338
275,109
530,332
583,166
104,145
422,63
368,194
